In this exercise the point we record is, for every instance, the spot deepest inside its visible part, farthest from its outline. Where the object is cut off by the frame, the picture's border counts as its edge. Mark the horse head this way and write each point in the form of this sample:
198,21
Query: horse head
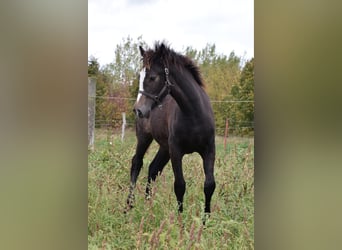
154,84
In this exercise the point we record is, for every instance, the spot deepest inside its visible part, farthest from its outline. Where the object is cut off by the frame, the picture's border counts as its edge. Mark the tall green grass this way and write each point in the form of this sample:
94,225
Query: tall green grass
155,223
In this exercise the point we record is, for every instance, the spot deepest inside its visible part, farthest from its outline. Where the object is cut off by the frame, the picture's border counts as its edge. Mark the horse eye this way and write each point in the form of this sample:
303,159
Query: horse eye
153,77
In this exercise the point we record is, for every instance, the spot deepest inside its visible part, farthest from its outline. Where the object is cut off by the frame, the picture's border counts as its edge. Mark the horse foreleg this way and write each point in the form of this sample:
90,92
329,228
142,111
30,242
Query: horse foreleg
135,170
156,167
137,163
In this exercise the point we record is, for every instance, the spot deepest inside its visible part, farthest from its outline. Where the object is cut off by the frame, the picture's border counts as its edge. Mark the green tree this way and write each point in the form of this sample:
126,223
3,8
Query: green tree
120,78
243,115
93,66
94,71
127,61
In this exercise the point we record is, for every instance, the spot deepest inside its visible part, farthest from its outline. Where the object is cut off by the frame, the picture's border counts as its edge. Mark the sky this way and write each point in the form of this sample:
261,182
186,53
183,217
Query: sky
229,24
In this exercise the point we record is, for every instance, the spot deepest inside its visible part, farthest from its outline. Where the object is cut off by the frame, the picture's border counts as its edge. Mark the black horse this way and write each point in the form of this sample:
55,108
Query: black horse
173,109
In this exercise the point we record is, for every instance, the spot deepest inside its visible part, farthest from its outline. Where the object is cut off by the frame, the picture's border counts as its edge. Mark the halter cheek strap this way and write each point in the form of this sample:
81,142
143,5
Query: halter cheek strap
163,93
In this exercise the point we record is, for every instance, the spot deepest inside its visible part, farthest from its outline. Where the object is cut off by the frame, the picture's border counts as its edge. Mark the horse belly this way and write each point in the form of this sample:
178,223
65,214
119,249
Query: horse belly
194,139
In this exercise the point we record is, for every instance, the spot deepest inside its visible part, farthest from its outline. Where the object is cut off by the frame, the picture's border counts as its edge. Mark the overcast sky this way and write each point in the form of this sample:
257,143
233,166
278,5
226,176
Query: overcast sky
227,23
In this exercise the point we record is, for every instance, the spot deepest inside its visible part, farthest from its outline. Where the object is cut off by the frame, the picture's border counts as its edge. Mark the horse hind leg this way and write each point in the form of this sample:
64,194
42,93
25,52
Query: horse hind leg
179,183
137,163
209,183
156,167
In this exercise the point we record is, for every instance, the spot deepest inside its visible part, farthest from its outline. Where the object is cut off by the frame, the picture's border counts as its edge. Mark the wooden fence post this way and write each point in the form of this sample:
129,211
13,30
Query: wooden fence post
123,126
91,111
226,135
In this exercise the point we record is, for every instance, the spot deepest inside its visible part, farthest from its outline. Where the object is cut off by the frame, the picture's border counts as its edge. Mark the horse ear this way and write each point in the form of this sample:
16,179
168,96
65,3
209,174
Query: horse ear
163,50
162,47
142,51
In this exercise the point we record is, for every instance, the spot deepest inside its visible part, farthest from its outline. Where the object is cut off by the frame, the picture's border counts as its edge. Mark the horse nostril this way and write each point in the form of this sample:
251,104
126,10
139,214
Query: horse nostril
139,113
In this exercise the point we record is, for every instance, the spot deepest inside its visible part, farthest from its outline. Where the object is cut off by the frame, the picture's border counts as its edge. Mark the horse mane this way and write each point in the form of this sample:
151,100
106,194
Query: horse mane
169,57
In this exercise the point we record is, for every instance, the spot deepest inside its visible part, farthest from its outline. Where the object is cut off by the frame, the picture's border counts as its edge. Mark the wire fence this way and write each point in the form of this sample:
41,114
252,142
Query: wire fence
114,120
114,112
133,99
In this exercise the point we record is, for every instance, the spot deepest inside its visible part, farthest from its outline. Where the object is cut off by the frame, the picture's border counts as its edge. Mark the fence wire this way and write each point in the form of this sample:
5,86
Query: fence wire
114,119
133,99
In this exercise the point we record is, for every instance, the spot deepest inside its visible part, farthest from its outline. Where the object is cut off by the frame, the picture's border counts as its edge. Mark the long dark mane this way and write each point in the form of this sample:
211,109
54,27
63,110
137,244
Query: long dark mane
163,54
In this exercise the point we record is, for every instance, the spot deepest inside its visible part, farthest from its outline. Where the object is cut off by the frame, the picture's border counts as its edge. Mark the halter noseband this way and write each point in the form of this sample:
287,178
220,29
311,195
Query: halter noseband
163,93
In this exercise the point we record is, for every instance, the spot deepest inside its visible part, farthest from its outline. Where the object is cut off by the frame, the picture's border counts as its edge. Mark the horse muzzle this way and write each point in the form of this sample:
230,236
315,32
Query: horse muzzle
142,111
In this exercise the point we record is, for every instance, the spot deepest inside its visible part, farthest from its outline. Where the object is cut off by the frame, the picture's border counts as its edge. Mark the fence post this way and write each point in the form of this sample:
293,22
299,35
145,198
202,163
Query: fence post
123,126
226,135
91,111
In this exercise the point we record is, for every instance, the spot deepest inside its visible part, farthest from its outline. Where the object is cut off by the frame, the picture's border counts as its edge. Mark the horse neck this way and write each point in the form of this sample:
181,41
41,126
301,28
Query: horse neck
188,94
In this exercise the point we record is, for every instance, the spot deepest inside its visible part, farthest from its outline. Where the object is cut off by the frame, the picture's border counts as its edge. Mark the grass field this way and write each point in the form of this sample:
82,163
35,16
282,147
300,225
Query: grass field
155,223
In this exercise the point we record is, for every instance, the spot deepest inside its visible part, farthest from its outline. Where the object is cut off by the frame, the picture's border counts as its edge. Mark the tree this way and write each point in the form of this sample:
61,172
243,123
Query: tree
243,115
120,78
126,63
93,66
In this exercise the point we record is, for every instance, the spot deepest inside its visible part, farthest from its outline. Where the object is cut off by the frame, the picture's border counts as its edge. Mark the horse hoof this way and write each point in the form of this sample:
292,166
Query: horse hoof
128,208
205,218
148,196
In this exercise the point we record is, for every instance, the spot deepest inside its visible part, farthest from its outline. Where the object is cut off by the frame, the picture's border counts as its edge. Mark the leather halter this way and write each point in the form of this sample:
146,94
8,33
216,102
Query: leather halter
163,93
